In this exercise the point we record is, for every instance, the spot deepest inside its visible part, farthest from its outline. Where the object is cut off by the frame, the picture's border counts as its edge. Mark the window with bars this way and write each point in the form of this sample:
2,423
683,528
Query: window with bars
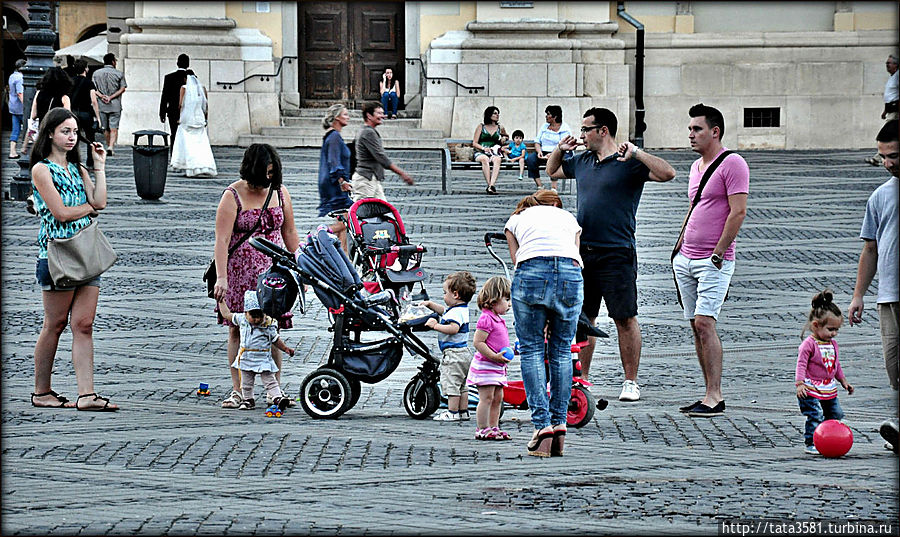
762,117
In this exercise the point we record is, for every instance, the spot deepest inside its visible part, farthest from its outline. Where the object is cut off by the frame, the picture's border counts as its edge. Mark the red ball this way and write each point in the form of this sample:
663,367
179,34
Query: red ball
832,438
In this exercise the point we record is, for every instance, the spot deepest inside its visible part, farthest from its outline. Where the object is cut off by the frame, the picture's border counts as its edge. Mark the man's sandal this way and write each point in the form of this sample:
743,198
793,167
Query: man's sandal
62,400
104,408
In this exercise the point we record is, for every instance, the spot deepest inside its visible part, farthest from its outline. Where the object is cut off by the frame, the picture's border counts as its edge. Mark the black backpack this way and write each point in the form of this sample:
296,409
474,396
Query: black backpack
277,291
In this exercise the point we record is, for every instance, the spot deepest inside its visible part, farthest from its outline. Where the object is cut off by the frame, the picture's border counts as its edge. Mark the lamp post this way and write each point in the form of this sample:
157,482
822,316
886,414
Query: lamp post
39,53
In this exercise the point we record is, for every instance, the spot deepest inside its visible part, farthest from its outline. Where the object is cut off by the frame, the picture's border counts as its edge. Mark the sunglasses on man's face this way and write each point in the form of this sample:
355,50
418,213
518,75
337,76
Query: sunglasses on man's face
585,130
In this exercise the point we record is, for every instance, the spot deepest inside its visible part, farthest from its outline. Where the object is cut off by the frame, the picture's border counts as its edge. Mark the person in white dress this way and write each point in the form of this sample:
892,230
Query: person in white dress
191,153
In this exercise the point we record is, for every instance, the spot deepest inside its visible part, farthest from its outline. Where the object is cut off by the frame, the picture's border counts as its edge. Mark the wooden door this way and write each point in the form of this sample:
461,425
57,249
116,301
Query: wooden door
345,47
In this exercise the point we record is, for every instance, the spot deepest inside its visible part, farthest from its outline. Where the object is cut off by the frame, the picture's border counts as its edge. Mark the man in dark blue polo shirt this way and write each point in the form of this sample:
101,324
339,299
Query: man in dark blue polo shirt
610,179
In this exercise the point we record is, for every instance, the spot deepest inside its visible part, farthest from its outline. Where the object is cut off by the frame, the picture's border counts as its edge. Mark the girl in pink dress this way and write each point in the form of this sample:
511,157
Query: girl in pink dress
488,369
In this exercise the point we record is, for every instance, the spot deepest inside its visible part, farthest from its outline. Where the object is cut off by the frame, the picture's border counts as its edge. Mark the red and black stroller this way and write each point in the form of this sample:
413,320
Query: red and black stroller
381,250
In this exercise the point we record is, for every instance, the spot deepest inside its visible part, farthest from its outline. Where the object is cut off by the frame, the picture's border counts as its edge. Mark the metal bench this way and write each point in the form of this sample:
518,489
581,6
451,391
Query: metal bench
455,163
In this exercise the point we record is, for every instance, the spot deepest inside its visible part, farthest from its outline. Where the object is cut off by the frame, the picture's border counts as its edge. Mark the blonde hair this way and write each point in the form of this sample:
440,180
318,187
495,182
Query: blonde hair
494,289
541,197
331,114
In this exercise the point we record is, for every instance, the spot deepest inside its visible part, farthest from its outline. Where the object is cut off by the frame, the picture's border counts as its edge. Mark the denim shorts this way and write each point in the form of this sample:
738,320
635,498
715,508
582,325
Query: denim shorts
42,273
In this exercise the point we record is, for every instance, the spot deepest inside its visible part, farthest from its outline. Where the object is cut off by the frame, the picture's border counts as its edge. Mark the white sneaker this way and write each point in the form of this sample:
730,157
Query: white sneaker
811,450
464,415
271,401
630,391
447,416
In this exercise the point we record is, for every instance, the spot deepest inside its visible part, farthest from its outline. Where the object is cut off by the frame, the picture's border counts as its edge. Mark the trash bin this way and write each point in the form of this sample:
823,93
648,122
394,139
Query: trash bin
150,163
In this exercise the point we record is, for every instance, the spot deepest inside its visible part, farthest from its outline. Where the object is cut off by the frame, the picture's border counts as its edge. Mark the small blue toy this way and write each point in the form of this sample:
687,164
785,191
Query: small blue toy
507,353
516,347
273,412
203,389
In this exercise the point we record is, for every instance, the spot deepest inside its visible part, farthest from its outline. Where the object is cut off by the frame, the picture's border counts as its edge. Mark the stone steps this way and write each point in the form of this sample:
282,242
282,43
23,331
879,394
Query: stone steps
288,121
303,128
354,113
350,131
245,140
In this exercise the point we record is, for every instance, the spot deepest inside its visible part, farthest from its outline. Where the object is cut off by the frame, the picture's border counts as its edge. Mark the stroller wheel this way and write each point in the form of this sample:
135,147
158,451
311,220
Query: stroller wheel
355,391
581,407
421,399
325,393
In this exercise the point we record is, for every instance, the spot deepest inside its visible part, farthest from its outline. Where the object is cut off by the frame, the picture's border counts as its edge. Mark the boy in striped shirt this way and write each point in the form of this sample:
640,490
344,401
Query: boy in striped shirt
453,340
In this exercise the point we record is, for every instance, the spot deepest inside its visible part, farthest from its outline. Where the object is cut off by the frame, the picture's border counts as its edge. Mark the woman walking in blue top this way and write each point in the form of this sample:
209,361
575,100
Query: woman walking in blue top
65,198
334,169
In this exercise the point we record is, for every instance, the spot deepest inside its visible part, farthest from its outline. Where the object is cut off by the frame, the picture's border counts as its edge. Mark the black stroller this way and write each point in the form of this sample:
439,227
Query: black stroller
335,387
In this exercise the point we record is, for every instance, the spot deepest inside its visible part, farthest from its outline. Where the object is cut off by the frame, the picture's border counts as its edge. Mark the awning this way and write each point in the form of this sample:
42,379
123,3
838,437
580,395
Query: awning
93,48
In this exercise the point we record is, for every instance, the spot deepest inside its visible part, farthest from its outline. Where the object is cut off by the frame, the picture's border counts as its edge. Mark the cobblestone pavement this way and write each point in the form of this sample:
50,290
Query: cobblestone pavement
171,462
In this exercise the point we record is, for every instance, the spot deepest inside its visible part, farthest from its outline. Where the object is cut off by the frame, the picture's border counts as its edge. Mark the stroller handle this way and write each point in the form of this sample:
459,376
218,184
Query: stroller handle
489,236
490,248
277,253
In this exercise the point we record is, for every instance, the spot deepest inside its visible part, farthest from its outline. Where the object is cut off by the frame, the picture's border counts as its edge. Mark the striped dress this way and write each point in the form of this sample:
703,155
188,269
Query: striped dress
484,372
70,186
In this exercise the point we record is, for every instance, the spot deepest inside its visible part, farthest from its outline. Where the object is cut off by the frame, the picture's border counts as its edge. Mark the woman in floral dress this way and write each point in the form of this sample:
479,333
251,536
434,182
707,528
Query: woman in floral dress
238,211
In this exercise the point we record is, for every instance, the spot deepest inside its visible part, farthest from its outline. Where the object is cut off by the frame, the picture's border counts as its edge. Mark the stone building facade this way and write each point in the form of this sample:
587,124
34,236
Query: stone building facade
792,75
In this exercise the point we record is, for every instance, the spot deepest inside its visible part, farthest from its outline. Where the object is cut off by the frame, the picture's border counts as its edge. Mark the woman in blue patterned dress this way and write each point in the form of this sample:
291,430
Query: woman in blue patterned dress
65,198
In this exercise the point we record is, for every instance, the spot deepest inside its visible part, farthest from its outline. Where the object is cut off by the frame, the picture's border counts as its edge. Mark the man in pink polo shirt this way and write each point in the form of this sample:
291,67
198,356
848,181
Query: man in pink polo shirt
705,263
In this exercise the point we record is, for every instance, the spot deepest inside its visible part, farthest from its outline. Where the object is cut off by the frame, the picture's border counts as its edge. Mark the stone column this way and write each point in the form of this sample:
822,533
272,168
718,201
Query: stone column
221,56
412,83
39,38
289,81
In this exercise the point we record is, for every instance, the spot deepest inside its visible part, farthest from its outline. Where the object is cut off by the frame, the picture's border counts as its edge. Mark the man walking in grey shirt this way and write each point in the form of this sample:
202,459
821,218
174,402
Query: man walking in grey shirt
110,84
371,160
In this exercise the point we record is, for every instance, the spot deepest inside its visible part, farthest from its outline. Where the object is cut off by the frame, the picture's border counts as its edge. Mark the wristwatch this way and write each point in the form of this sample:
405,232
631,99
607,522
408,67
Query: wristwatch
715,258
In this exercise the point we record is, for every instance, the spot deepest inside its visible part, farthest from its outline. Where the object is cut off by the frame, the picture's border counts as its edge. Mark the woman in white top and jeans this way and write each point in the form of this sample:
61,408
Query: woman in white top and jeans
545,142
547,290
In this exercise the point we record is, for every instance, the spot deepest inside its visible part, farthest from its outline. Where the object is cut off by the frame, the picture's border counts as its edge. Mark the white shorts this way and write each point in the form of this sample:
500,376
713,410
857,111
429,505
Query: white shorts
702,286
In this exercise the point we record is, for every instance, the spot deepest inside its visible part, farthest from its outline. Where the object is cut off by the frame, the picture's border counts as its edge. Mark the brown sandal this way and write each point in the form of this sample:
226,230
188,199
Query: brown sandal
104,408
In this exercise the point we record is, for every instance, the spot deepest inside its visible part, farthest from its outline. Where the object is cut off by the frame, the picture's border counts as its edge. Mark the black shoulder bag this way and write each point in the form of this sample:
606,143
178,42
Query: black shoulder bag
209,276
705,179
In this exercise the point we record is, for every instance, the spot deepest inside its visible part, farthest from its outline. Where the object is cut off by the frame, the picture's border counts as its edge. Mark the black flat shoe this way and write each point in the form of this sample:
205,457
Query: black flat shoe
703,411
687,408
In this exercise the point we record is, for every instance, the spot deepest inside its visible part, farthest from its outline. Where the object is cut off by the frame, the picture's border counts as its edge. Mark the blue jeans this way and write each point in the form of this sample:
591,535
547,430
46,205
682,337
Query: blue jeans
389,102
16,127
547,290
533,163
817,411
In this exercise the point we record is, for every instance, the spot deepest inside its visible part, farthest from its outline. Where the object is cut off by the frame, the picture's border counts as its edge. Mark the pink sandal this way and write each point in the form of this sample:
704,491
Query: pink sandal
499,435
485,434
